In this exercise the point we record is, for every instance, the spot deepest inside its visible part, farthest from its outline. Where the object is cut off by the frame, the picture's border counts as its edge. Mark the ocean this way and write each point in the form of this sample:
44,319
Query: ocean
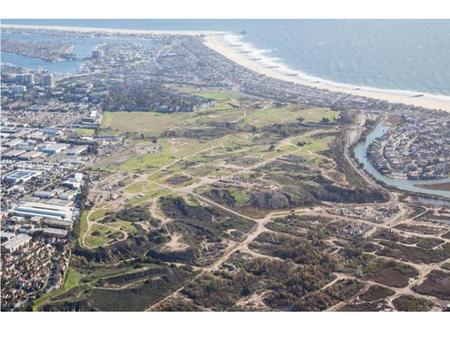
410,55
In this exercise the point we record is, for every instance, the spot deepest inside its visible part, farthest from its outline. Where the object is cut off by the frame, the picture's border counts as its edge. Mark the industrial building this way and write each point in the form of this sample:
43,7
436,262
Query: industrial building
21,175
31,209
13,153
74,182
16,242
54,148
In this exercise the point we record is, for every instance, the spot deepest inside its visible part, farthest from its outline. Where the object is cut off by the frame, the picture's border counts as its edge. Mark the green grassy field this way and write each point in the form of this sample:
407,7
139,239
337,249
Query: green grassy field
171,151
148,123
83,225
154,124
101,235
84,131
148,162
319,144
97,214
313,144
71,279
212,94
265,117
151,191
315,115
123,225
136,187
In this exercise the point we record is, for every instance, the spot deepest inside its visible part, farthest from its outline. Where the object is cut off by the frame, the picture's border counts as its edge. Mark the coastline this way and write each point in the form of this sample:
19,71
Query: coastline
421,187
117,31
230,47
436,186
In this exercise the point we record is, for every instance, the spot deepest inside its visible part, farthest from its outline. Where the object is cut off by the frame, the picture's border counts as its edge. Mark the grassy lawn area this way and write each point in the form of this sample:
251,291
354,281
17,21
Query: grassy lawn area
84,131
150,161
123,225
170,151
265,117
97,214
225,115
148,123
101,235
154,123
315,115
94,242
212,94
83,225
71,279
185,147
150,191
136,187
319,144
216,95
240,196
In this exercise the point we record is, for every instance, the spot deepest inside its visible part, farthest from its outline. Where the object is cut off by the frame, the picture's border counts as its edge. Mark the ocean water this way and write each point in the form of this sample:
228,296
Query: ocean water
390,54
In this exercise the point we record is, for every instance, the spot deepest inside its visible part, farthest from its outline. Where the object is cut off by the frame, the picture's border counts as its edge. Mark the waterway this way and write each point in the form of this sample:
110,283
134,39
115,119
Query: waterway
83,47
407,185
409,55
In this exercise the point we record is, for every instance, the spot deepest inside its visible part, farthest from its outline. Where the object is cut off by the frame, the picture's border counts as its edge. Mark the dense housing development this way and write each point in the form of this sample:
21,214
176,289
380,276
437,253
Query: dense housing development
41,186
161,176
417,148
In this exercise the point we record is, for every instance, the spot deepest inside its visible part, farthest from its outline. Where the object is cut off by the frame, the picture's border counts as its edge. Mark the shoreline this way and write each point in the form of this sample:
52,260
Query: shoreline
117,31
436,186
359,156
229,46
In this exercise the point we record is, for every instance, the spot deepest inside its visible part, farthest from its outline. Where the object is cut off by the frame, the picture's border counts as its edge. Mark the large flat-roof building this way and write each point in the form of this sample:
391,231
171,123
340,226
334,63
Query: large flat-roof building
13,153
30,155
31,209
74,182
54,148
16,242
54,232
21,175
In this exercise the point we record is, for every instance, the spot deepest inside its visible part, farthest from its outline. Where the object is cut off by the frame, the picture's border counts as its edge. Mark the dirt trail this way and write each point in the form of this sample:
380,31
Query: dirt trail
251,235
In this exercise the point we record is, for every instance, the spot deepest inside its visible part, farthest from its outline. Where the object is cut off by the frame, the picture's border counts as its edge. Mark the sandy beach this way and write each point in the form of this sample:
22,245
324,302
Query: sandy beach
229,46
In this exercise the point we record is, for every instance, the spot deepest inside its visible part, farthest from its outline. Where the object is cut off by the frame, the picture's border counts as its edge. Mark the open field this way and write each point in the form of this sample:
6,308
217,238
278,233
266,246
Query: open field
102,234
148,123
71,279
212,94
83,224
84,131
236,203
261,118
99,213
216,186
